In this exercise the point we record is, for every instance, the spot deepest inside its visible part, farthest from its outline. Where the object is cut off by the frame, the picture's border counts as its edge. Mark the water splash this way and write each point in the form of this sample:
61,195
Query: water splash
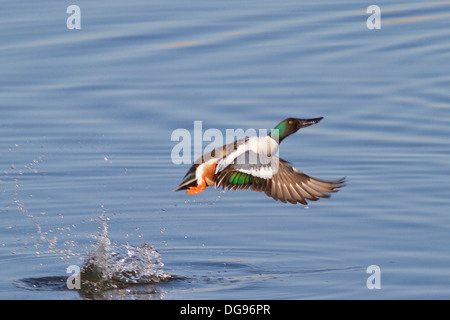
115,266
111,271
108,266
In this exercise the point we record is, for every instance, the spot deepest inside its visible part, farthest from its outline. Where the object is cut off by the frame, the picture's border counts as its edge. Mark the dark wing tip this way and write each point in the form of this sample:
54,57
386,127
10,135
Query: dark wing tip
298,187
340,183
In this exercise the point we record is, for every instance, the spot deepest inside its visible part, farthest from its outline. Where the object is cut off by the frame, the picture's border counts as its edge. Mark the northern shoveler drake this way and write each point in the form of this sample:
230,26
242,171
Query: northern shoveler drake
251,163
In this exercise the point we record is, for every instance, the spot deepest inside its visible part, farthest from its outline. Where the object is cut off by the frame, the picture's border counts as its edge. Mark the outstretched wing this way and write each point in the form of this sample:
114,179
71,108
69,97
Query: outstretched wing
247,170
277,179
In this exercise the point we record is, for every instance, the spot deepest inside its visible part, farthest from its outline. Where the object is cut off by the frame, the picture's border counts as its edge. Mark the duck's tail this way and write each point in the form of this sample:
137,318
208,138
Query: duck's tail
189,181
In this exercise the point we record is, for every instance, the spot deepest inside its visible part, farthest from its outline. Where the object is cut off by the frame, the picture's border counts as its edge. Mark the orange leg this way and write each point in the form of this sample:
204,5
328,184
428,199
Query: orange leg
198,189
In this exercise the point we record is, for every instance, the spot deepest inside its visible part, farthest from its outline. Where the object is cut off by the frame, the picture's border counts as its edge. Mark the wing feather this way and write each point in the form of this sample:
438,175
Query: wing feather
278,180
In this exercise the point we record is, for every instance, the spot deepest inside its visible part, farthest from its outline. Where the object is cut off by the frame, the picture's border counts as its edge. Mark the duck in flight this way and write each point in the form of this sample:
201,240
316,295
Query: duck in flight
251,163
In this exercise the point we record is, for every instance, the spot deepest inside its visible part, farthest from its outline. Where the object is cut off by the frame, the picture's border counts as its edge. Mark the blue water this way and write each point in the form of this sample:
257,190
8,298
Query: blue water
86,118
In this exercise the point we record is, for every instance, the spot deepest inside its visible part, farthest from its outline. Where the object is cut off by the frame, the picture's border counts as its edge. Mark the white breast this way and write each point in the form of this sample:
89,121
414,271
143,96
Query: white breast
255,151
263,145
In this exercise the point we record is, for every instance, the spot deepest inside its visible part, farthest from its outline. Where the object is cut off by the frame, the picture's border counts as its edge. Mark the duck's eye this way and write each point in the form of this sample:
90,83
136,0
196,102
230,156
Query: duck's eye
290,121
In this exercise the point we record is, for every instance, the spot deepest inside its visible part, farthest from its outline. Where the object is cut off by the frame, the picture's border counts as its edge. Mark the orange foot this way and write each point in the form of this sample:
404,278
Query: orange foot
198,189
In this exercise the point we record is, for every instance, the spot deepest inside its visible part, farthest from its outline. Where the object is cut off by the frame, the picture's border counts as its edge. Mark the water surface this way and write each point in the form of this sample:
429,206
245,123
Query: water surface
86,121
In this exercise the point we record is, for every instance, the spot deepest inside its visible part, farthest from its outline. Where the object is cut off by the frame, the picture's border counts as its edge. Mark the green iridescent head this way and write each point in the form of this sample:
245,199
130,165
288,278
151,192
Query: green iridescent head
290,126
